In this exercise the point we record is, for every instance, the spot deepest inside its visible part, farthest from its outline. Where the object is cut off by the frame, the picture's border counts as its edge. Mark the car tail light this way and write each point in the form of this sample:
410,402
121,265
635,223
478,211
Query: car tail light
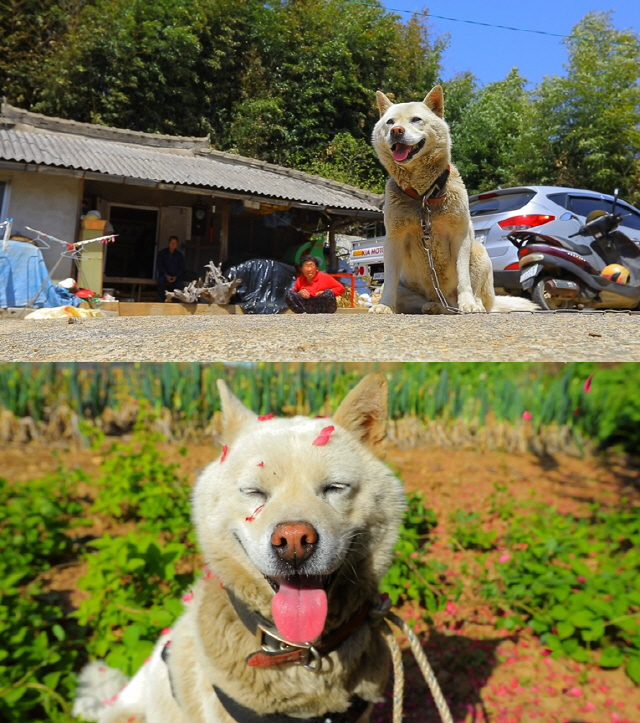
362,271
513,267
522,223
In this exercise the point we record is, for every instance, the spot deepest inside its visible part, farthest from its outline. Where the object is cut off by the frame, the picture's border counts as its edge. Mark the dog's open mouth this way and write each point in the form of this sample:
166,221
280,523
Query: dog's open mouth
300,606
402,152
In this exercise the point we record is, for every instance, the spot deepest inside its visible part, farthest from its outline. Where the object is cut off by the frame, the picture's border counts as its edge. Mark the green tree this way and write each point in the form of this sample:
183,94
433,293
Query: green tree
30,31
167,66
585,129
307,94
348,160
484,141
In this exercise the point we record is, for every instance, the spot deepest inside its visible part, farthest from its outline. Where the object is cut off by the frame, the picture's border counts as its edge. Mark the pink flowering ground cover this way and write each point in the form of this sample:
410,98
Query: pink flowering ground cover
487,674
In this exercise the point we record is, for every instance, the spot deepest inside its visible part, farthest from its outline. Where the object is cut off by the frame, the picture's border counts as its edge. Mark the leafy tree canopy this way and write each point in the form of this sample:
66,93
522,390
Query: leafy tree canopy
293,82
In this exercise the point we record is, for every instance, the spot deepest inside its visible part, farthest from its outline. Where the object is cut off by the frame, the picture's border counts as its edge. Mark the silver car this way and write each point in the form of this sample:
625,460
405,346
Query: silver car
495,214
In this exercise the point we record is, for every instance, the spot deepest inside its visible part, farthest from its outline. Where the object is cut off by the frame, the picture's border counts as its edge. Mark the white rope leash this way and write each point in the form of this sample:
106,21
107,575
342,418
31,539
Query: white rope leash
398,669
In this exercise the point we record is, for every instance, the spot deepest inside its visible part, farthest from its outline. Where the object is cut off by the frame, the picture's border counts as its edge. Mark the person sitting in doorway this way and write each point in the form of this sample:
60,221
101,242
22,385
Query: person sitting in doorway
170,268
314,291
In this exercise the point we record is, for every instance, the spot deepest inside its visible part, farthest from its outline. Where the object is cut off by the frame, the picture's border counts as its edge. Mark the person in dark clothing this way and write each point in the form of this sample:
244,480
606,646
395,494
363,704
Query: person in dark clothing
170,268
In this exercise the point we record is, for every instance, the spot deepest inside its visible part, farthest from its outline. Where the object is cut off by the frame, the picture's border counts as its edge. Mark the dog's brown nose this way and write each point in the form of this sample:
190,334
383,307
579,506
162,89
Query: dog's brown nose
294,541
397,131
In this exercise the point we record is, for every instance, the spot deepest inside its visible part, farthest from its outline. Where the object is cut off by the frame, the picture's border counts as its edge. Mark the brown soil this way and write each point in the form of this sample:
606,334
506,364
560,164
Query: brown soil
485,674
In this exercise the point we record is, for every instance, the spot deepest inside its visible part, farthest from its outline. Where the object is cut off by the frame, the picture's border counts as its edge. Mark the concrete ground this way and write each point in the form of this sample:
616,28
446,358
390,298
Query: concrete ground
521,336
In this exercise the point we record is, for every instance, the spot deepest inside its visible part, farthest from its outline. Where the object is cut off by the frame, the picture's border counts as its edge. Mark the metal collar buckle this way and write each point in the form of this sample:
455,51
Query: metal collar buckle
272,643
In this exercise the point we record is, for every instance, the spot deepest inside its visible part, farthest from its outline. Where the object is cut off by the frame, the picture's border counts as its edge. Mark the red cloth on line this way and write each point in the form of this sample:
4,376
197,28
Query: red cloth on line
321,282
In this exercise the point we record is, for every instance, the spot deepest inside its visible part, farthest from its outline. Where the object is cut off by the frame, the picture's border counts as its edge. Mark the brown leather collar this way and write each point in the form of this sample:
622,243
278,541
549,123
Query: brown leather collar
275,651
435,192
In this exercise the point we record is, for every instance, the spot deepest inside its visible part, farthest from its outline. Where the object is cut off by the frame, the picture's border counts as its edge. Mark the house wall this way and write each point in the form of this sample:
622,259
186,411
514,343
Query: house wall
47,202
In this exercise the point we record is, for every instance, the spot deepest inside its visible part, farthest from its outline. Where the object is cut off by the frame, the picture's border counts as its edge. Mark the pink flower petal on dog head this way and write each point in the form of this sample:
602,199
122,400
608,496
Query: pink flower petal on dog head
225,452
260,464
264,417
324,436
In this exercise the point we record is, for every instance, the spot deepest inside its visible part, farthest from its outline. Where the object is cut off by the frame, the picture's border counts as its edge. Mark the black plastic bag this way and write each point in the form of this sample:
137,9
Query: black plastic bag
264,282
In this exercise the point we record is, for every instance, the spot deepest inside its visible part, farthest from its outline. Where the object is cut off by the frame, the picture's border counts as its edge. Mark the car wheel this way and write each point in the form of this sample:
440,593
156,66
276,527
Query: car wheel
545,301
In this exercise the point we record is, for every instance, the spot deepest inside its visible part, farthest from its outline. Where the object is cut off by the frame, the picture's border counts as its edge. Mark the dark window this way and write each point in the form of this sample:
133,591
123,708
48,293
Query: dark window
3,195
132,253
583,205
486,204
631,216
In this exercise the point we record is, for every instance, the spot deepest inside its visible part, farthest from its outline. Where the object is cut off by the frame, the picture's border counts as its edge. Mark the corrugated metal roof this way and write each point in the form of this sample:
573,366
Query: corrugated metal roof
184,167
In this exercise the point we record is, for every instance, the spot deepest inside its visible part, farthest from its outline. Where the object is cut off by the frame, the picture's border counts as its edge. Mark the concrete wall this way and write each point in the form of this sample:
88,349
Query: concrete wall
49,203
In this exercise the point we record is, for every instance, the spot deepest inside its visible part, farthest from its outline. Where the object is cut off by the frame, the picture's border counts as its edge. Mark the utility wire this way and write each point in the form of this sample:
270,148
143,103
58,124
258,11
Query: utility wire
473,22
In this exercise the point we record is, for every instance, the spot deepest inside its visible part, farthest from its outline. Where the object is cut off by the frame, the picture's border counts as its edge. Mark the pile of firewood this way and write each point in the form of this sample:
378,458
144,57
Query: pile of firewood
215,289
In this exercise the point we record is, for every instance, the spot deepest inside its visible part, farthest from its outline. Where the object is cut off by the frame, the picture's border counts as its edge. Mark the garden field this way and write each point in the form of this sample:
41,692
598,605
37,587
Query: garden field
518,562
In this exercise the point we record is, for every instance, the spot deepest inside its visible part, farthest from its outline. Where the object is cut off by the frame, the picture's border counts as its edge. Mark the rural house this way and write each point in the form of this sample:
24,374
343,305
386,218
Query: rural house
223,207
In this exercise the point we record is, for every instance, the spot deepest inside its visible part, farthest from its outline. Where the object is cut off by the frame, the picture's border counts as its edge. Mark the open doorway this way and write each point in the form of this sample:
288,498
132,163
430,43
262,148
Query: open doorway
133,253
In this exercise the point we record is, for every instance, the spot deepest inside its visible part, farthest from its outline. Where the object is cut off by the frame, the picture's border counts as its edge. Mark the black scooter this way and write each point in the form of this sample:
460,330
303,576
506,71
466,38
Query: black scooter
561,274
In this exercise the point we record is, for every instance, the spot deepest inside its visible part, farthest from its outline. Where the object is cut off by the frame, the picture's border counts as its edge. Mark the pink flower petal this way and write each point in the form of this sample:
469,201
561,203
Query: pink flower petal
527,416
324,436
264,417
225,451
587,384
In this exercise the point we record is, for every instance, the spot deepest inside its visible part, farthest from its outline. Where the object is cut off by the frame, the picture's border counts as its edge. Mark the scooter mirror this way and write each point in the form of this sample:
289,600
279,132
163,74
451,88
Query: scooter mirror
567,216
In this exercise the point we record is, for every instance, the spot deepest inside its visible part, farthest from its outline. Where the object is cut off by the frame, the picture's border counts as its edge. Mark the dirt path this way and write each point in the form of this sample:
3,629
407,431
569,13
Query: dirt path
586,336
488,676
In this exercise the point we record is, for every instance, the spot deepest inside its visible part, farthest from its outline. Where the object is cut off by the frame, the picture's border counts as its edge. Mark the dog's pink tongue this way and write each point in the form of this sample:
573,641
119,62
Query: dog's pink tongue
299,612
401,151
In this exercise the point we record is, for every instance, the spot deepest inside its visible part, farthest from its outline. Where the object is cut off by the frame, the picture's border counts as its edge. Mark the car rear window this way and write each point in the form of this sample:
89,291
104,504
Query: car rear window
581,205
486,203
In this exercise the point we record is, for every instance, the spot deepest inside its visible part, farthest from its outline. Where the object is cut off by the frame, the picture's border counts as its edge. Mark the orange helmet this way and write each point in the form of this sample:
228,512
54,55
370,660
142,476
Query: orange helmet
616,272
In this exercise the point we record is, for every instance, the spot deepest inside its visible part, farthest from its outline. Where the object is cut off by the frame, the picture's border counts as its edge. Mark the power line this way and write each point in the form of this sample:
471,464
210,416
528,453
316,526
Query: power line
469,22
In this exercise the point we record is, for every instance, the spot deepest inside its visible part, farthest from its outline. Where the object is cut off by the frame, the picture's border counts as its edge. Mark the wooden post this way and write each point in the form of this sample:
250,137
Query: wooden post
333,260
223,205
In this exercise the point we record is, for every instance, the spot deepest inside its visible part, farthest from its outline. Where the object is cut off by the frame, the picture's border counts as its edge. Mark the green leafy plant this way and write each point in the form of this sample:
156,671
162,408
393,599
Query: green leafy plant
574,581
133,592
136,483
38,643
469,534
410,576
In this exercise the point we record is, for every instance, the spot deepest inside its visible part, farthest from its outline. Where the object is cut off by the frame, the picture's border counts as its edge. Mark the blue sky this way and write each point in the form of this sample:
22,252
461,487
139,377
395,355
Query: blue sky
490,53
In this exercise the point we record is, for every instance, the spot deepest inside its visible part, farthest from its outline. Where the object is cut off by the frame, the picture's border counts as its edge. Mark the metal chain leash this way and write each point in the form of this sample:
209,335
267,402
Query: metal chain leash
427,242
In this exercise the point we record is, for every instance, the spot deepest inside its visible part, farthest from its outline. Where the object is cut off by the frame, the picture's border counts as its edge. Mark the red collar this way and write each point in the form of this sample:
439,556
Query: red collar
435,192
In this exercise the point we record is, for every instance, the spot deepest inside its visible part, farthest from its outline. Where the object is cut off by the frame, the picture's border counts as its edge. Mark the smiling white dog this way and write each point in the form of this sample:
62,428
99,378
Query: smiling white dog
413,143
296,522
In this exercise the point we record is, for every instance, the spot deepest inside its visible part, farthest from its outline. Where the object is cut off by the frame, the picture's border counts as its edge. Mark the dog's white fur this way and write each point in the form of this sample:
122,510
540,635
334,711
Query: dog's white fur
462,265
355,504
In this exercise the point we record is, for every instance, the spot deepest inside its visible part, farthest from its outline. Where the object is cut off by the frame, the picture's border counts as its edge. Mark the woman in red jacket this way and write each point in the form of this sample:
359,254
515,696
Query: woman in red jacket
313,292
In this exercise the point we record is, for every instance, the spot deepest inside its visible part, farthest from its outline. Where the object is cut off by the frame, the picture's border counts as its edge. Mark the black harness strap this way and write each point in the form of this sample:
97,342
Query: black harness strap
242,714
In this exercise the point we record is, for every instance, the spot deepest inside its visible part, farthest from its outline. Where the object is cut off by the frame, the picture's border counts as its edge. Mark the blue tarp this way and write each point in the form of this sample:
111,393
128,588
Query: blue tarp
22,273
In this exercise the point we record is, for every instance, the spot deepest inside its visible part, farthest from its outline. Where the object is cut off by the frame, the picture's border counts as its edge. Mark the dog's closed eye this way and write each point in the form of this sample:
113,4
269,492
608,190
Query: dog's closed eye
254,493
416,119
335,488
390,122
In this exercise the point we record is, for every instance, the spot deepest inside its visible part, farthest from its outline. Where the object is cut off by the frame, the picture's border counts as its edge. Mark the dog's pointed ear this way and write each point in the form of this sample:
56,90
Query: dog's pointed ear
364,410
435,101
234,413
384,103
